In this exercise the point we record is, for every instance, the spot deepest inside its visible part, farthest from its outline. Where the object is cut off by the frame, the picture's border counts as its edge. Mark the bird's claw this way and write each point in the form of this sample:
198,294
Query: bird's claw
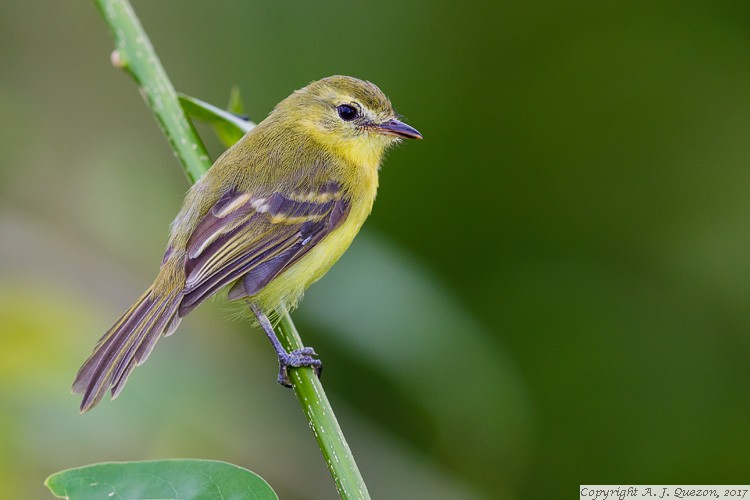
296,359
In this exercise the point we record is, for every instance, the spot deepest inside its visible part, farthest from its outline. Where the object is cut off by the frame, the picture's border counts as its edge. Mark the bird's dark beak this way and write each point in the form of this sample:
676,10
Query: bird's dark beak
400,129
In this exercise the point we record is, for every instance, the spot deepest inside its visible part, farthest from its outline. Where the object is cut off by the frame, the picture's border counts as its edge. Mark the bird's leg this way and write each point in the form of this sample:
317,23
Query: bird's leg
294,359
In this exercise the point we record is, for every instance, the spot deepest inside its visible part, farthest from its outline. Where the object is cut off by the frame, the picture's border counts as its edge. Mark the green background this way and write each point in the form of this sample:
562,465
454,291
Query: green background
553,288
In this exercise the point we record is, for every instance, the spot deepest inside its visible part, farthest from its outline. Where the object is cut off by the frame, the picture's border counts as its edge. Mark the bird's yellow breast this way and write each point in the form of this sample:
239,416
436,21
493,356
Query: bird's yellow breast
289,286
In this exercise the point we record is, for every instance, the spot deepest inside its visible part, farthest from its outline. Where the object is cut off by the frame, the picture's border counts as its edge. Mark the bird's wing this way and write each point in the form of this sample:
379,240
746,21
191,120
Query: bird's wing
258,237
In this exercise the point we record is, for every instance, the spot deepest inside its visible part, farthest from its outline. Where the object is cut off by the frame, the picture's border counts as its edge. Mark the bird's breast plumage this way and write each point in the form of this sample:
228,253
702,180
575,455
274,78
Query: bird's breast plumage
276,223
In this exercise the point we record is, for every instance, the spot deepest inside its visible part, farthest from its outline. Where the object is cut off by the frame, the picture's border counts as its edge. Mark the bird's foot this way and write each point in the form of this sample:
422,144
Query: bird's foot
297,359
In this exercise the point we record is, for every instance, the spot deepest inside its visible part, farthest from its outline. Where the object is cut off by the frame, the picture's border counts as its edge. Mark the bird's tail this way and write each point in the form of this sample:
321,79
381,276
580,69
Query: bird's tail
126,345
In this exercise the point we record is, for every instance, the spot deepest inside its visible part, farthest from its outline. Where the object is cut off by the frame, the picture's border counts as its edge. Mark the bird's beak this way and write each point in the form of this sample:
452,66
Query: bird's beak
400,129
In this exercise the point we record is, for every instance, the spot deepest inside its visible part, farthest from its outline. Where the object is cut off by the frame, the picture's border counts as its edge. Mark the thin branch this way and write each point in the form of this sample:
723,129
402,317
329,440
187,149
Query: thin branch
321,418
135,55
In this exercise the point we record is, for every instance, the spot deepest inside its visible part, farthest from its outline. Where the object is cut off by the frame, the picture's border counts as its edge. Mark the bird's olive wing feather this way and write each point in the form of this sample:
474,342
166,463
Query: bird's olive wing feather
256,237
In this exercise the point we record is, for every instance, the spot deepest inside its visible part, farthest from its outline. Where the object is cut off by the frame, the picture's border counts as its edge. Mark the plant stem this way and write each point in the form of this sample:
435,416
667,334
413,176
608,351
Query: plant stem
135,54
320,416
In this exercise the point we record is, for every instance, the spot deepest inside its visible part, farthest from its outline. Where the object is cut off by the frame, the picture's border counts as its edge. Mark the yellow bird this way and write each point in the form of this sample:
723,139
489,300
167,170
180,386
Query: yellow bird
270,217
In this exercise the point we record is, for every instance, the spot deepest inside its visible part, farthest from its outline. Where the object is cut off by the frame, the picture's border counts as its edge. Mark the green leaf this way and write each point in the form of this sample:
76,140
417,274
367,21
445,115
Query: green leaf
236,104
162,479
229,127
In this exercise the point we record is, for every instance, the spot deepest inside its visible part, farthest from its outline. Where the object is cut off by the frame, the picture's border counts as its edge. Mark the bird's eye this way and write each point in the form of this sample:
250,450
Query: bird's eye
347,112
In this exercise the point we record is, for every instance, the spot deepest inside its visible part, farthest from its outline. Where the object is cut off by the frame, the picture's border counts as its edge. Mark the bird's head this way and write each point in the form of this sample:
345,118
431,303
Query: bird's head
349,116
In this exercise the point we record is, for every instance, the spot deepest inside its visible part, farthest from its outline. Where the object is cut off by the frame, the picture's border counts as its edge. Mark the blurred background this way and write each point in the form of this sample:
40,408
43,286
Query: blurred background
553,289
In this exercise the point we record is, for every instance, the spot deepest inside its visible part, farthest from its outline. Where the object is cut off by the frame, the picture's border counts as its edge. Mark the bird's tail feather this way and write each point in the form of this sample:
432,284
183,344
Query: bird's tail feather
126,345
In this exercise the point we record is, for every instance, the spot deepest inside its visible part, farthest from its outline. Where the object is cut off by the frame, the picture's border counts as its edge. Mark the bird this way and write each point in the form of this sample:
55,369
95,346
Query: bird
270,217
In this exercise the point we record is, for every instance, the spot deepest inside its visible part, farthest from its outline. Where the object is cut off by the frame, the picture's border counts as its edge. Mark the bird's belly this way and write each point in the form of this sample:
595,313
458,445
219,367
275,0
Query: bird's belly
288,287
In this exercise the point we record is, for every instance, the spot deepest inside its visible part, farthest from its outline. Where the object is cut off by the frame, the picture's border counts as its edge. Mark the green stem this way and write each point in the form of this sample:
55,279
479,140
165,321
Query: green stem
321,418
135,54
